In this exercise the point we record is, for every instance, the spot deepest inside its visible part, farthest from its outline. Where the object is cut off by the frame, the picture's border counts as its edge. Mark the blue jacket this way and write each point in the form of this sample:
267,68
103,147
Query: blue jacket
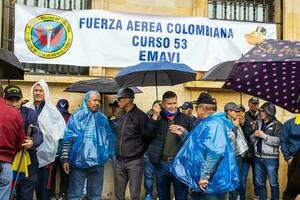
207,154
290,138
30,116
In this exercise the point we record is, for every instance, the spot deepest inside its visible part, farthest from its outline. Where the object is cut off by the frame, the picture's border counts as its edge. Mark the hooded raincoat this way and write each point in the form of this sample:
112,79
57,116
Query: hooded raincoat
52,126
91,137
208,137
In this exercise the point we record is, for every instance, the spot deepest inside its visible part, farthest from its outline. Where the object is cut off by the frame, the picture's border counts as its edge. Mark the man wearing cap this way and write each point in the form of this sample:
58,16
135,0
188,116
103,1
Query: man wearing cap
115,108
237,138
129,164
266,141
13,97
11,140
166,144
187,108
207,163
250,118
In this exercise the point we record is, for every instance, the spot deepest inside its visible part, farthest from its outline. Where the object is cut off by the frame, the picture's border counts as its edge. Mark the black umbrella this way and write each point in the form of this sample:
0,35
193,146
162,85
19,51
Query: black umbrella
270,71
10,66
220,72
103,85
155,74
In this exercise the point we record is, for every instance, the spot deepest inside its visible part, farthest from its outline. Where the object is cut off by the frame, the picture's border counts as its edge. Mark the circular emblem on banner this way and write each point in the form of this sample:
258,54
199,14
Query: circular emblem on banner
48,36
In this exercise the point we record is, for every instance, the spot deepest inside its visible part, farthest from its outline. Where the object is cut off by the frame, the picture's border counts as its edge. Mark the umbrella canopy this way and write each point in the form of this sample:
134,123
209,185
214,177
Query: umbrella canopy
220,72
155,74
10,66
271,72
103,85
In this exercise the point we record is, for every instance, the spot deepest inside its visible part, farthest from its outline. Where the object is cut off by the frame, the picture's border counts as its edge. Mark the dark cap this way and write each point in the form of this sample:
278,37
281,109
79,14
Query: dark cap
205,98
254,100
12,91
114,104
231,106
155,102
62,105
269,108
186,105
125,93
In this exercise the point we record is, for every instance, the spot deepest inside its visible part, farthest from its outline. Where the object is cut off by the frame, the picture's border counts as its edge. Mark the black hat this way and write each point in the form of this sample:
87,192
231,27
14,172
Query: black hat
114,104
125,93
269,108
205,98
231,106
155,102
186,105
254,100
12,91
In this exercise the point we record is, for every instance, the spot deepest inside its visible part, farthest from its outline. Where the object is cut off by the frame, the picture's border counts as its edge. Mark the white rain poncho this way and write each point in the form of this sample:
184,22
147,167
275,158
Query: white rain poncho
52,126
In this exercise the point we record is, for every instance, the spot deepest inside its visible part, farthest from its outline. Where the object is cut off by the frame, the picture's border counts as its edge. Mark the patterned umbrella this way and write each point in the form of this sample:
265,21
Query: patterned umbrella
271,72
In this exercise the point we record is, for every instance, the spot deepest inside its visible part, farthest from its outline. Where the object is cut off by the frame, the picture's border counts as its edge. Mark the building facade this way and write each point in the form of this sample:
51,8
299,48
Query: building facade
284,13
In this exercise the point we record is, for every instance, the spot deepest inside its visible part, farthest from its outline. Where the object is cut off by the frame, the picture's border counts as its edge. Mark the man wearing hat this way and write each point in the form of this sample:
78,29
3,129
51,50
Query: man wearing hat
129,149
206,162
266,143
187,108
11,140
250,118
237,137
13,97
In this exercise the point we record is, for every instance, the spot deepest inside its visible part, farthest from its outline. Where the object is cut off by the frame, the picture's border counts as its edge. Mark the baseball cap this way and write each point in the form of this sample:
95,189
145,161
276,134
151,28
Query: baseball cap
254,100
242,107
12,91
205,98
125,93
186,105
231,106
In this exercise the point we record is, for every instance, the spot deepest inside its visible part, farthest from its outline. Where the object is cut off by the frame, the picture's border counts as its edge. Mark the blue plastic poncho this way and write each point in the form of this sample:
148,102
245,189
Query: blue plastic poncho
93,140
209,136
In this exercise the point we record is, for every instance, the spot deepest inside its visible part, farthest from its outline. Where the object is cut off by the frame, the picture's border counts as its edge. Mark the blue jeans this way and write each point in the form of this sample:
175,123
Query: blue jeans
148,173
267,168
94,176
164,178
208,196
6,176
243,178
235,194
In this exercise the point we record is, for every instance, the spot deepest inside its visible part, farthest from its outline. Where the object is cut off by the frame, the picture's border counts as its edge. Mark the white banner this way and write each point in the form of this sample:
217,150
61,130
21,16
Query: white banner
103,38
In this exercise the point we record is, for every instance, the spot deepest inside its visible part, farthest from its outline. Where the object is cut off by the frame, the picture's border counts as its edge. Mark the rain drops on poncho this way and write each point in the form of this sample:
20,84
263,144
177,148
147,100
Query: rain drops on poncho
93,140
209,136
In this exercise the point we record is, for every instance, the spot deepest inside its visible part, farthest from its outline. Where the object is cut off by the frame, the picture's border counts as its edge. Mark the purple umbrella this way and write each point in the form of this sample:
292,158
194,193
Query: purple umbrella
270,71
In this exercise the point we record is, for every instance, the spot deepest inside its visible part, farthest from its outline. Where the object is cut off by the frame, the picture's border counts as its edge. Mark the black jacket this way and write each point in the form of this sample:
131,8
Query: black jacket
130,134
158,129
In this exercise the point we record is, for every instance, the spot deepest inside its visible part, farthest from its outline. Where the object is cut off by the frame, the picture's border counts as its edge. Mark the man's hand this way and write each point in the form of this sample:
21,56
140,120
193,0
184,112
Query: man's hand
156,111
241,119
176,129
28,143
259,134
66,167
203,184
289,161
236,122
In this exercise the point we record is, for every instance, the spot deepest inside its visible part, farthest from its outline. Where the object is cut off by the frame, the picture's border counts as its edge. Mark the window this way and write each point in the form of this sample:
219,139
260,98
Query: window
8,33
242,10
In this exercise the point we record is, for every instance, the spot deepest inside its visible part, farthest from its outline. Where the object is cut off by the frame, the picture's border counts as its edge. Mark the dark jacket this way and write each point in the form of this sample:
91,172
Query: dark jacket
30,116
11,132
158,129
290,138
130,134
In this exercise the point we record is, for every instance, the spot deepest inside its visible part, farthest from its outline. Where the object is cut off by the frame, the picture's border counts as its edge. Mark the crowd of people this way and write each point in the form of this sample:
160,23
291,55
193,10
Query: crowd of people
205,157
